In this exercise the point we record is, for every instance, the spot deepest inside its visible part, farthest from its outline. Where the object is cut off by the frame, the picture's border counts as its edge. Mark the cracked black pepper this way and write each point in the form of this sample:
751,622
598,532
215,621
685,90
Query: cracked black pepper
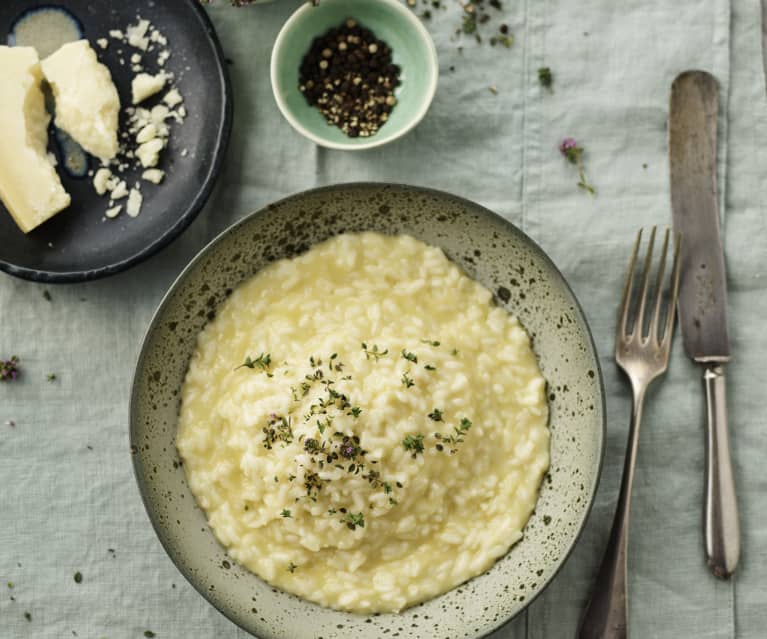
349,76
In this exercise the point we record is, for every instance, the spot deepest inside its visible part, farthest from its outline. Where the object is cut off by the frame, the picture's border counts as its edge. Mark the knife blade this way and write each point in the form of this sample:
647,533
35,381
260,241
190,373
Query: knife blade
692,161
702,307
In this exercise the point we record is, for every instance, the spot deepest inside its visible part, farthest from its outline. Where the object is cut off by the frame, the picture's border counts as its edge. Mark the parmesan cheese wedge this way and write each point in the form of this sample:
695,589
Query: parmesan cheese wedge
29,186
87,104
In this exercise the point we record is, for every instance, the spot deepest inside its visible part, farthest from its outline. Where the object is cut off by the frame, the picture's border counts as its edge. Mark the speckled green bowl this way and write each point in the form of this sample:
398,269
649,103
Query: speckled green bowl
489,249
412,49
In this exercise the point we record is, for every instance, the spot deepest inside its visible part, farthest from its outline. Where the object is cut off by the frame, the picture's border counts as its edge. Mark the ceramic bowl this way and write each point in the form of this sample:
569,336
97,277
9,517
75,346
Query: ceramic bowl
490,250
391,21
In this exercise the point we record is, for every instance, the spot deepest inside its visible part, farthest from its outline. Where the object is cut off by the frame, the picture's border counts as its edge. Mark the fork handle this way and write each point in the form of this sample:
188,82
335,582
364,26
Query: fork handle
606,616
722,530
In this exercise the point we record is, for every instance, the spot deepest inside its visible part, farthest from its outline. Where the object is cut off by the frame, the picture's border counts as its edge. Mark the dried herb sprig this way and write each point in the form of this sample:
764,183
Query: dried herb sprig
374,352
456,438
354,520
545,77
573,152
9,369
263,362
413,444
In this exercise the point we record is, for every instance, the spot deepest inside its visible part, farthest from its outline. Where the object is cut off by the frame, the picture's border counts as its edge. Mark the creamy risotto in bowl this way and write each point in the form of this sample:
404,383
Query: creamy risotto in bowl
362,426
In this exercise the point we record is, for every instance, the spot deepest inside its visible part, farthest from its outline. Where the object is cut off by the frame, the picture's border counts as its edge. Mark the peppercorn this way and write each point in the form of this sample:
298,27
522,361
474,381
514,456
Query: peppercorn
349,76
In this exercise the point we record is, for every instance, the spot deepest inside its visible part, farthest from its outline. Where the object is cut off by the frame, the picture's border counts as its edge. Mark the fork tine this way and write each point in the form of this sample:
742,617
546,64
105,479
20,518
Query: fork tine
659,289
674,290
628,286
645,285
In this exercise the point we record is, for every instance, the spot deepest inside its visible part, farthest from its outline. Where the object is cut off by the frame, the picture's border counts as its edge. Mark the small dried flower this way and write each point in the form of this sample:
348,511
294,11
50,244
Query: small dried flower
574,154
9,370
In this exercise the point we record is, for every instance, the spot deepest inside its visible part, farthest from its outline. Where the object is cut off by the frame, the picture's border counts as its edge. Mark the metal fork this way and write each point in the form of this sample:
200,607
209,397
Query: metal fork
642,351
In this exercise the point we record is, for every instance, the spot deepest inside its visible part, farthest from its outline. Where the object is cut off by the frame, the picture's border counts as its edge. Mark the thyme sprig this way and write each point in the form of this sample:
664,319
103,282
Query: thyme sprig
262,362
374,352
354,520
413,444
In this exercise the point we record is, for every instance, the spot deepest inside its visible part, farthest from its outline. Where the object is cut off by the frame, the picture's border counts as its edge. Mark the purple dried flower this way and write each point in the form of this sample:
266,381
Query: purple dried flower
9,369
567,144
347,450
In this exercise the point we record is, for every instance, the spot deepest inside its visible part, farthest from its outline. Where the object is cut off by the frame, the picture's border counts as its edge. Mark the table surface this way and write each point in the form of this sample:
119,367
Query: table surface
68,498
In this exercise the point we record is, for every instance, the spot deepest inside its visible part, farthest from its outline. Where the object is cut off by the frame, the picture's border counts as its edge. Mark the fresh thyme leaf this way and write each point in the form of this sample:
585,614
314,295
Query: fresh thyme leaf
435,415
149,634
429,367
51,377
356,410
413,444
78,577
374,352
47,295
292,567
28,616
407,381
286,513
454,352
455,439
430,342
263,361
411,357
354,520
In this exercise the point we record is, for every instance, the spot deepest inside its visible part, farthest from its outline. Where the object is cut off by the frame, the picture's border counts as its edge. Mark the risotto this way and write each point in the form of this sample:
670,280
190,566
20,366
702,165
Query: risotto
362,426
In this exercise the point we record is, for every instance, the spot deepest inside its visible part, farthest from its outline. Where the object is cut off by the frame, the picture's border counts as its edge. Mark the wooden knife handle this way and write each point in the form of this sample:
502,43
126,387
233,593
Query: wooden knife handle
722,530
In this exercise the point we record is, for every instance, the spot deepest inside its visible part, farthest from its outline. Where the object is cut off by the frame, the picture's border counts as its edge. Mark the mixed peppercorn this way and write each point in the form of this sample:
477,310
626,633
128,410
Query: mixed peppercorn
348,74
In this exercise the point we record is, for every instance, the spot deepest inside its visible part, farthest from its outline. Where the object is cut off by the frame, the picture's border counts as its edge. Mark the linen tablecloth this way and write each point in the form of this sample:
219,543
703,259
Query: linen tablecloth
68,500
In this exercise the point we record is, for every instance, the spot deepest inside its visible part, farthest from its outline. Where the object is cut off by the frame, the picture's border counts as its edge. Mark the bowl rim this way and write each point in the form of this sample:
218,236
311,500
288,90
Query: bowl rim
371,142
194,207
154,322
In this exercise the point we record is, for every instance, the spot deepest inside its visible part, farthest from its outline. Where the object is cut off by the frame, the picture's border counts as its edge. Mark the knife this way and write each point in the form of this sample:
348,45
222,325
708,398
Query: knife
703,296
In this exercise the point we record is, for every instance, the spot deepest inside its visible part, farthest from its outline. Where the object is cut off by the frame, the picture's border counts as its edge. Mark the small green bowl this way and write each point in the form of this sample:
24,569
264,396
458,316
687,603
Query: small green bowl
412,49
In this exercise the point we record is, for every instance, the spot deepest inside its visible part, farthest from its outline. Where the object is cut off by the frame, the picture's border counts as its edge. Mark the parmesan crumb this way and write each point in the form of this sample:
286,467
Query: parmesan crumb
136,35
154,176
134,203
145,85
100,180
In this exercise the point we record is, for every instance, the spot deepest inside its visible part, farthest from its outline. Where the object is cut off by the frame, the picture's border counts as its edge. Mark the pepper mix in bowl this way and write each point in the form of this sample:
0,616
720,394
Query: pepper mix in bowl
348,74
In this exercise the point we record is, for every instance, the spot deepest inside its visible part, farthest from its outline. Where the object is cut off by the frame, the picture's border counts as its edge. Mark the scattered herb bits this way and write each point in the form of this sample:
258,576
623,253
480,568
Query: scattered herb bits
545,77
9,369
348,74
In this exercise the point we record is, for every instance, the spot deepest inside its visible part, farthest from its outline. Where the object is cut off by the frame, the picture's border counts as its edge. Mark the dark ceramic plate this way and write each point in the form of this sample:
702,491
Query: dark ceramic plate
78,244
490,250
